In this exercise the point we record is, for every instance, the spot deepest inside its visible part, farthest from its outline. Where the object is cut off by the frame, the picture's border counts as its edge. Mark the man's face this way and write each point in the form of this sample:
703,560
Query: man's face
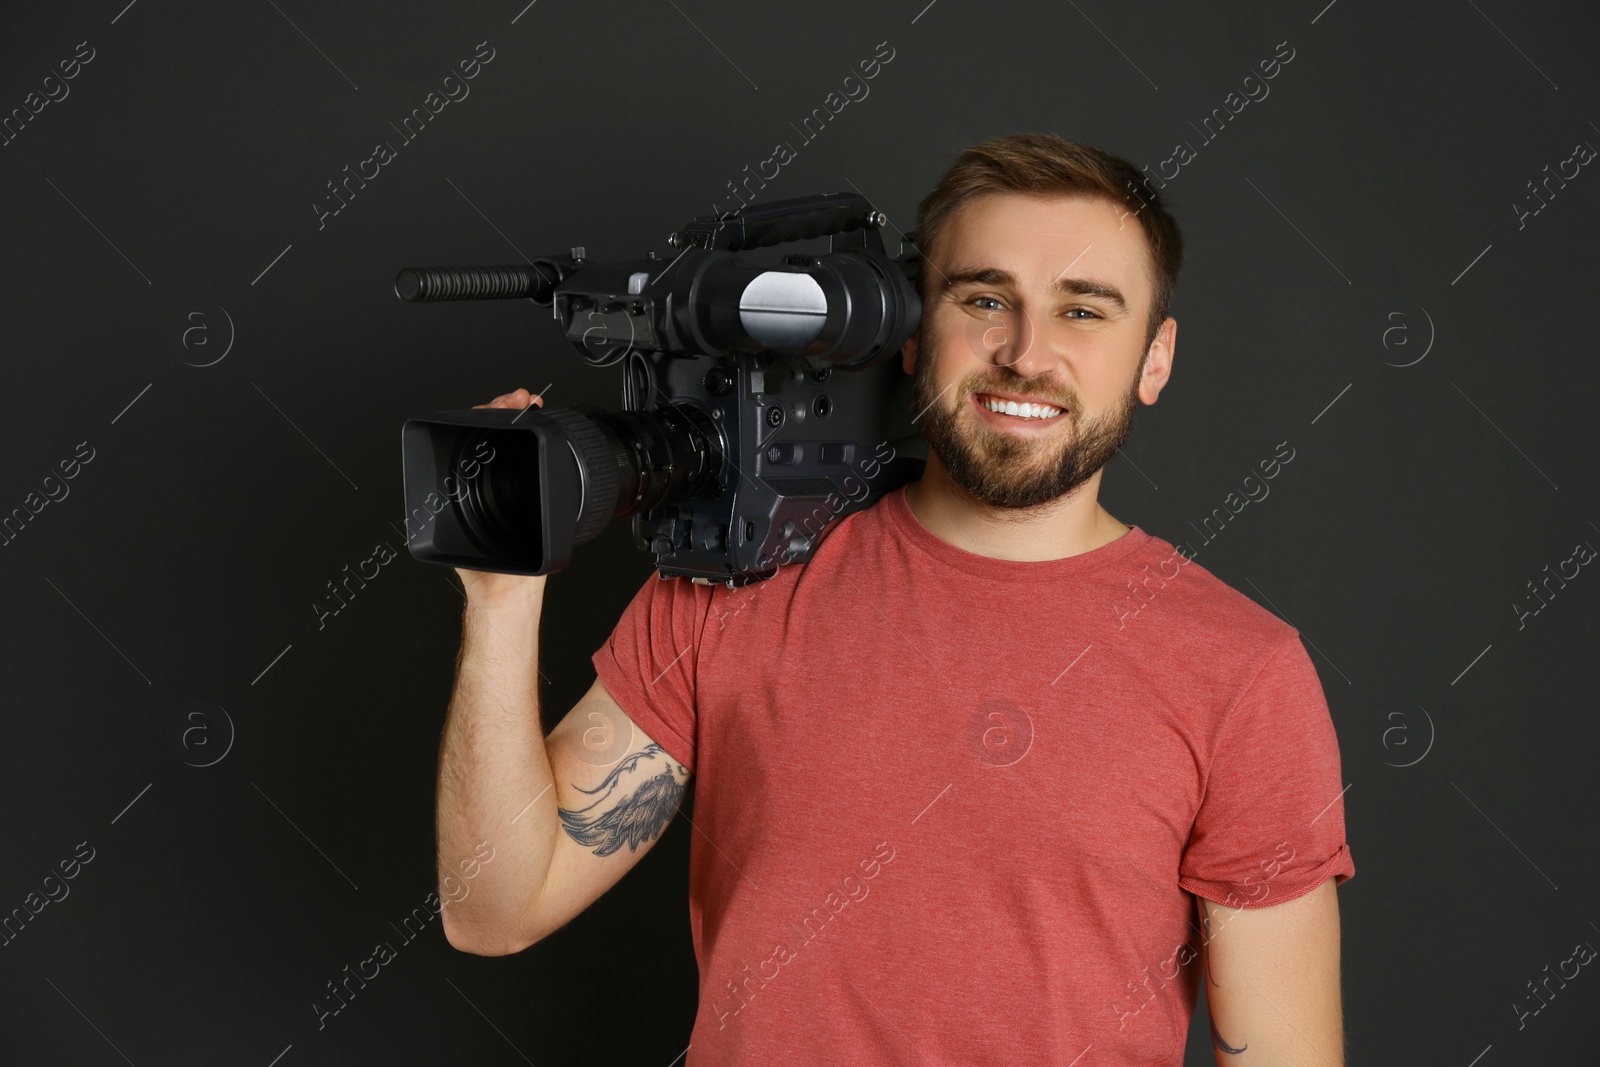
1024,305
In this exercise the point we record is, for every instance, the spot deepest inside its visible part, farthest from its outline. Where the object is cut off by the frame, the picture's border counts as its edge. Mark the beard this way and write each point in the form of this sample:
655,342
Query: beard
1012,472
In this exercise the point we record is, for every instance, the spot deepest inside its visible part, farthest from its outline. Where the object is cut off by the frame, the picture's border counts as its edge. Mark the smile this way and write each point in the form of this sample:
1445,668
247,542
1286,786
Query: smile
1009,412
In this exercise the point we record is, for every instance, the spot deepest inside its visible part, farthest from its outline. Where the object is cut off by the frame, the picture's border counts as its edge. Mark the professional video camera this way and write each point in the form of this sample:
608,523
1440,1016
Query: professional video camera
760,404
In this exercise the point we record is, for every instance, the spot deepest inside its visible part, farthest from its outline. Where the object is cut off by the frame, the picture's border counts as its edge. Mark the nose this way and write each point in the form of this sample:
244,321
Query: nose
1021,347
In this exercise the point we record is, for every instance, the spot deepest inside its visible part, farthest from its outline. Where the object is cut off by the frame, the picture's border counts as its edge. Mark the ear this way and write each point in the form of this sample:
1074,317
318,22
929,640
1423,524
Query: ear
1158,361
908,351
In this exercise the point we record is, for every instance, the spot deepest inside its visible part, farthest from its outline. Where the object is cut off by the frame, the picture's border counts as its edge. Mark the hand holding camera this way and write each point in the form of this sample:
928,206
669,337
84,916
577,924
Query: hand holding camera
491,590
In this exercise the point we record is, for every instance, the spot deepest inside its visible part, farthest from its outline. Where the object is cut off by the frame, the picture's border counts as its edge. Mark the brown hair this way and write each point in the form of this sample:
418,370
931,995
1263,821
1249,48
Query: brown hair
1047,163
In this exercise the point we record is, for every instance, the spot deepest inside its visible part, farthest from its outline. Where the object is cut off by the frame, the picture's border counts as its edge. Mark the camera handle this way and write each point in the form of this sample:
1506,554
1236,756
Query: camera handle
782,221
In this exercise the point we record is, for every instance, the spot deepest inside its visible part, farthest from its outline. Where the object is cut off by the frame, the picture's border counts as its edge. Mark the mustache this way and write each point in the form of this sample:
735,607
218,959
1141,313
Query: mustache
1043,398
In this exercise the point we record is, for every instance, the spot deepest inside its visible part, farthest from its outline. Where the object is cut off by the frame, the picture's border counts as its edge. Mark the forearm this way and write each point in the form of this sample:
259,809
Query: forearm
493,770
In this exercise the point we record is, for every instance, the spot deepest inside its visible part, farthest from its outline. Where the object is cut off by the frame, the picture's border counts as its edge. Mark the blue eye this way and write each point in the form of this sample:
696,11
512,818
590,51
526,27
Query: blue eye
1086,311
991,299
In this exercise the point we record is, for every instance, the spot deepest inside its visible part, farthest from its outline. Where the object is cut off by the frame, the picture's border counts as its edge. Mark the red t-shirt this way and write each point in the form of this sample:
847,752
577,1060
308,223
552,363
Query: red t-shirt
950,809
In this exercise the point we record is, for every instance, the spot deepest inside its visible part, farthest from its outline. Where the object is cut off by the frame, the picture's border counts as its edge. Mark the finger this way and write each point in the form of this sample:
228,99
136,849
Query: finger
518,399
522,398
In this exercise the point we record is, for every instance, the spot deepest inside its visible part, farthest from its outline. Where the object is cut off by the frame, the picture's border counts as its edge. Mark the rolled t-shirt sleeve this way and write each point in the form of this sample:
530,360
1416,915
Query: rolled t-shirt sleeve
649,663
1271,823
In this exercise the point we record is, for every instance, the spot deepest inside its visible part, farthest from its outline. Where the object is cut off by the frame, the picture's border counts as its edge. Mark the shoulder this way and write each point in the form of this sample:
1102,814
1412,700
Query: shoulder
1204,609
841,531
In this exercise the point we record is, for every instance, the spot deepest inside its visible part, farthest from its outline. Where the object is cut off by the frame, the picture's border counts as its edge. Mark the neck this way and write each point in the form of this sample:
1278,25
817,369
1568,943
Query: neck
1069,526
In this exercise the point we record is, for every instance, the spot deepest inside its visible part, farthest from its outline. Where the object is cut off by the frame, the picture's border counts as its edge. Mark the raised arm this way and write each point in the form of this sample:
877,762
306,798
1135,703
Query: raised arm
532,829
1272,980
492,800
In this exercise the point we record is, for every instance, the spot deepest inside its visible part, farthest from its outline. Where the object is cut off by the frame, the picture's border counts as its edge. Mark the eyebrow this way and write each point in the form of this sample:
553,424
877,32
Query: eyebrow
996,276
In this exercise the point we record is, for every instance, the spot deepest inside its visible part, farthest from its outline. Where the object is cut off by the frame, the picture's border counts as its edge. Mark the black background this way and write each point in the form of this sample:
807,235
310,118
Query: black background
1358,216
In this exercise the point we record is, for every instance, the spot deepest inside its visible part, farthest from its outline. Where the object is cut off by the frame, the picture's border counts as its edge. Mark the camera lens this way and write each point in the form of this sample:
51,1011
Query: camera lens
502,512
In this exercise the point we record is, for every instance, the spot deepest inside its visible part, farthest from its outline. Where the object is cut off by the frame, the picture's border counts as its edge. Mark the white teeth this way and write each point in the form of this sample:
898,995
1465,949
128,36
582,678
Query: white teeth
1027,411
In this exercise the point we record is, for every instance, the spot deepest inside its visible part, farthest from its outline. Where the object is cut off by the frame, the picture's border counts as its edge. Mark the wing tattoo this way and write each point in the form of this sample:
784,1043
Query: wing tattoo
636,818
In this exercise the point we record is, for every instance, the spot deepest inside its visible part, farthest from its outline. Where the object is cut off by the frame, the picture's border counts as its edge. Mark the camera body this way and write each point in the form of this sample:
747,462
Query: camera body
759,405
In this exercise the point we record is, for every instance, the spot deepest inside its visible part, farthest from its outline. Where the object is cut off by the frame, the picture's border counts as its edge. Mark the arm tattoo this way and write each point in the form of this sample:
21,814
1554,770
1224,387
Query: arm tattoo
1216,1038
636,818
